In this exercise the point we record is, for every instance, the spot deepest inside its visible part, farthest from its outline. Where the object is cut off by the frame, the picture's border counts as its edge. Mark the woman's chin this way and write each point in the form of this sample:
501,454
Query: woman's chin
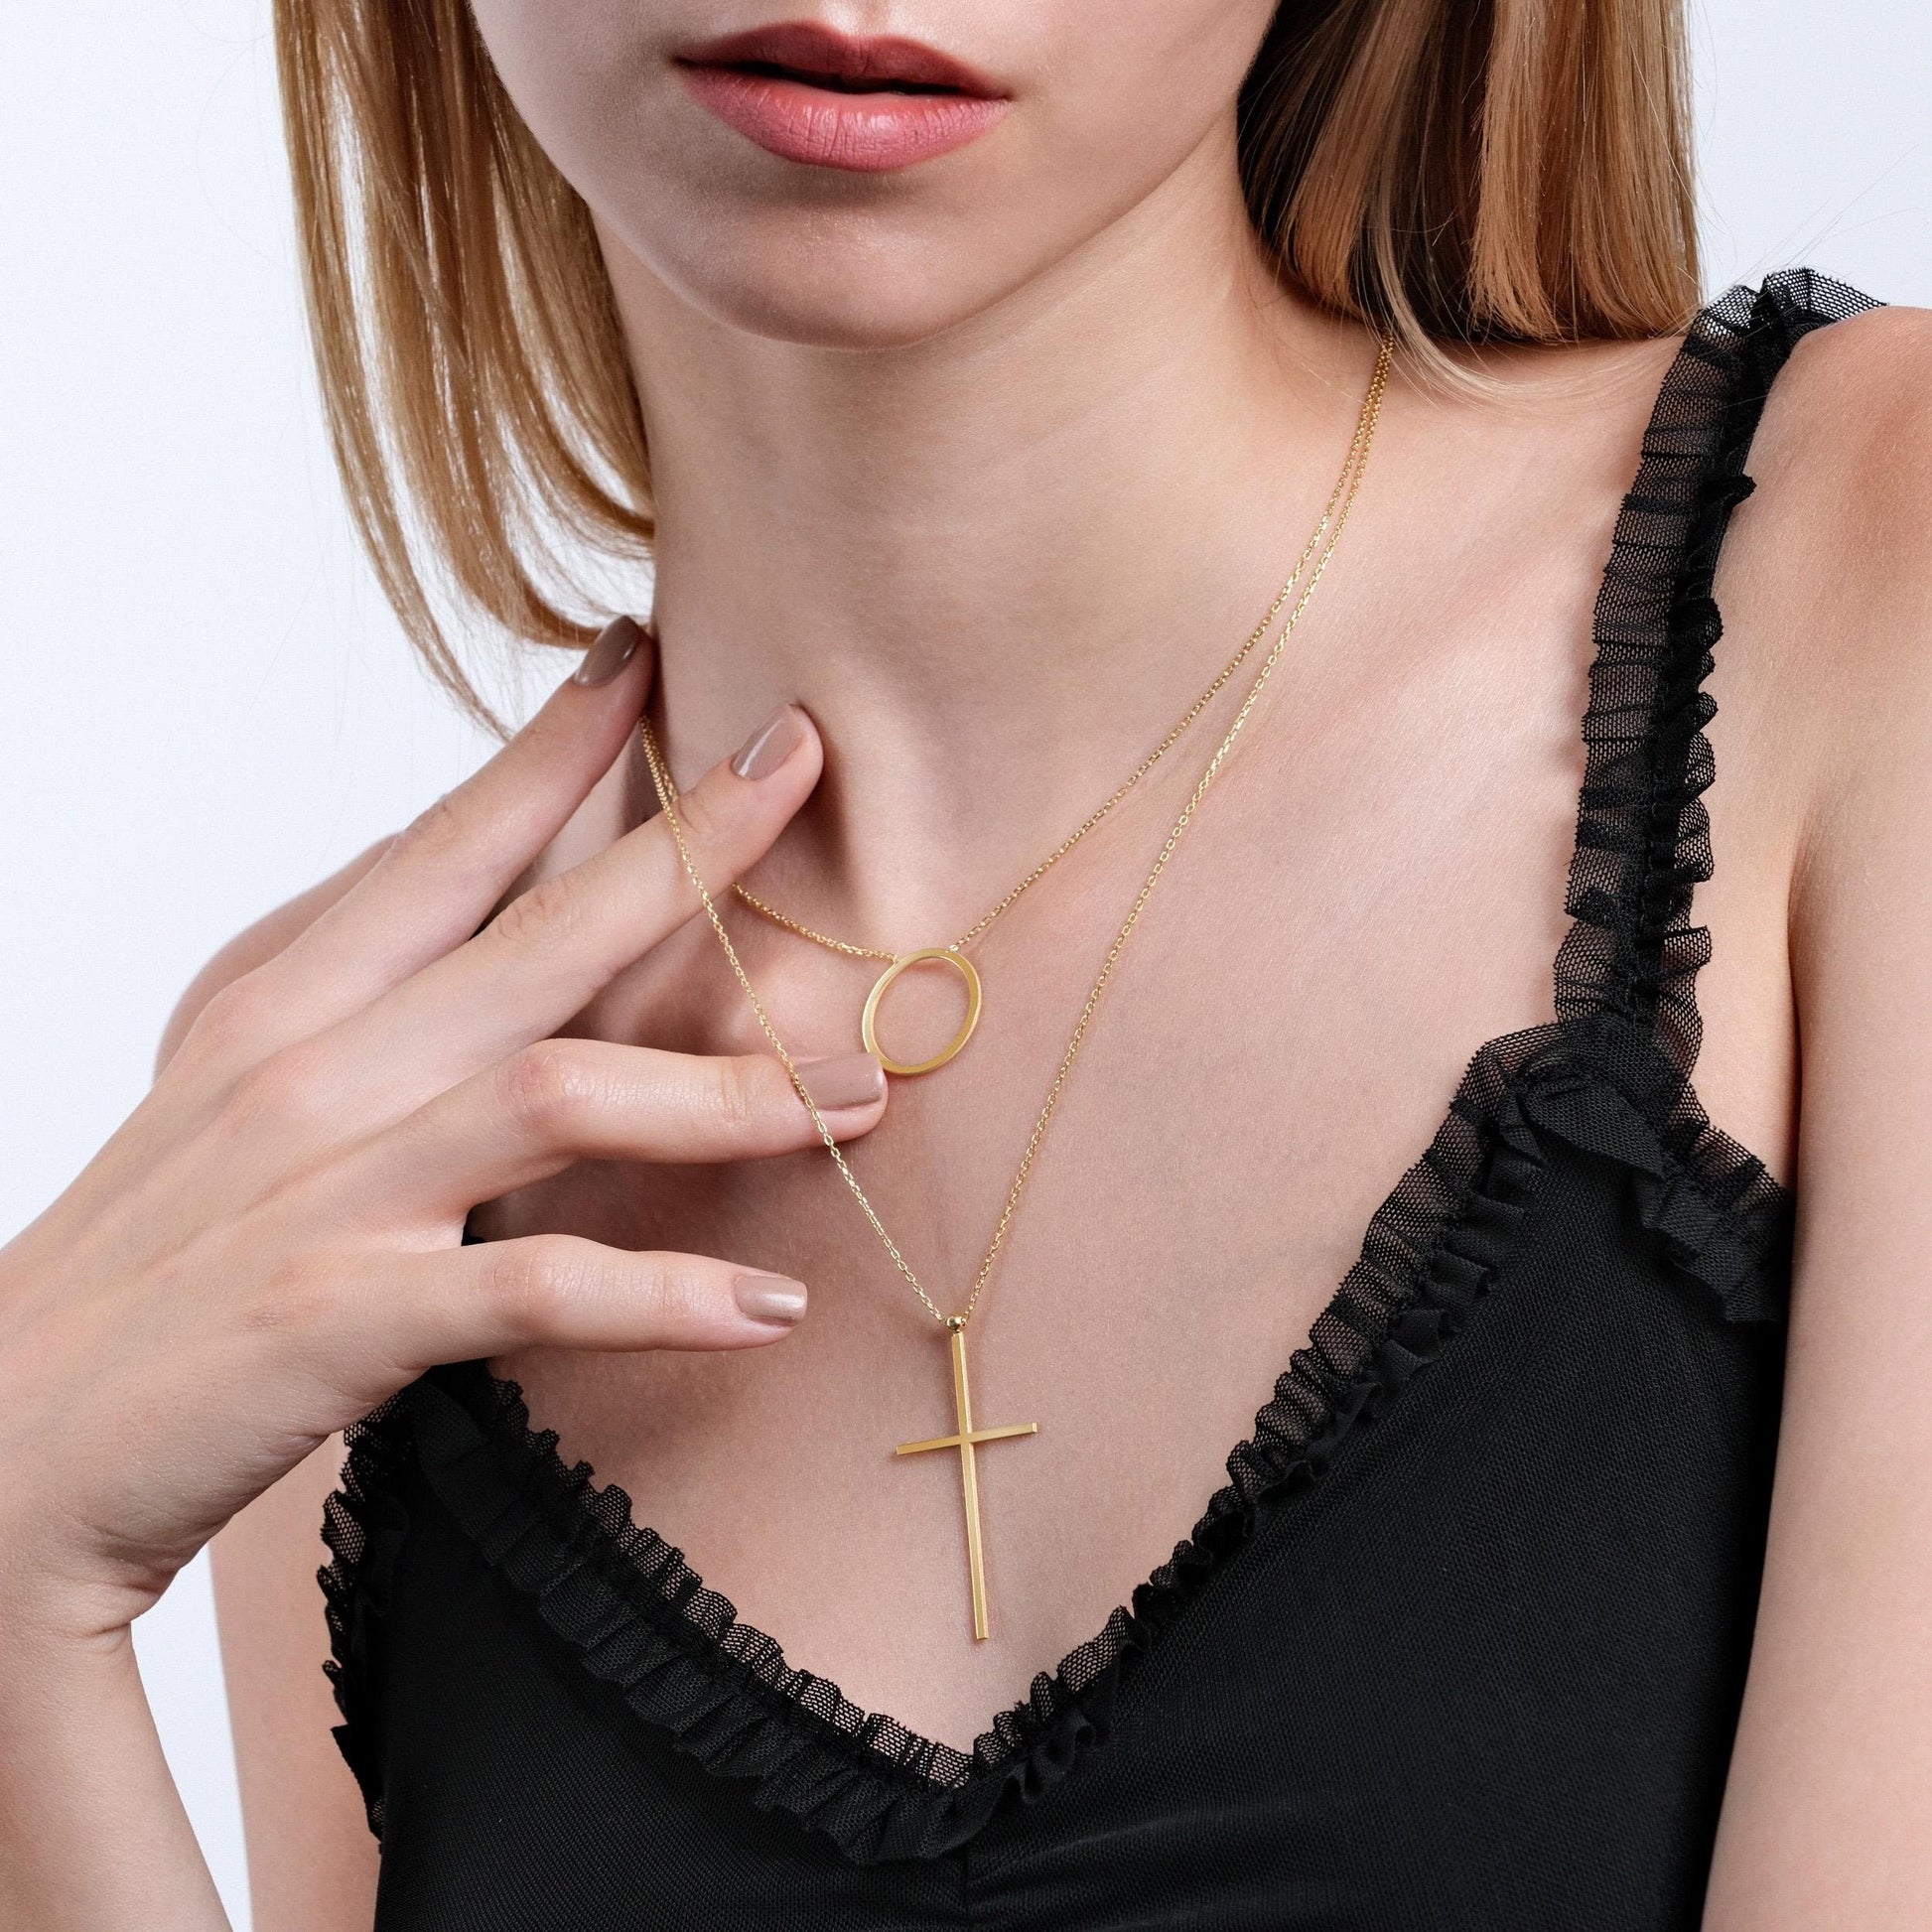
862,317
864,292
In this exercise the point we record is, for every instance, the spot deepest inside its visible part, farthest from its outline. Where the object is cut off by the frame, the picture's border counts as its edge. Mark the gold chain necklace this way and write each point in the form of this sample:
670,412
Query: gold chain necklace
966,1437
954,953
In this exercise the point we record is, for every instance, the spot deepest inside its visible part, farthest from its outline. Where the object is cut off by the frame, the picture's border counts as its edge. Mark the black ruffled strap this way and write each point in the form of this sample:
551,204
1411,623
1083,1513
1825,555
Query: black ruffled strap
1643,836
1626,972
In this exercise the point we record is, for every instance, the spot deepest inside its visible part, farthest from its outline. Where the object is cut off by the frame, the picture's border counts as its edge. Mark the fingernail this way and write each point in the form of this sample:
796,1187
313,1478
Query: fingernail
613,649
770,1298
843,1080
771,744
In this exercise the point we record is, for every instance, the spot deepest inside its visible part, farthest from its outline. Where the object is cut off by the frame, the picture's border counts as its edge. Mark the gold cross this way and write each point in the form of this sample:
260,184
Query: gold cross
966,1440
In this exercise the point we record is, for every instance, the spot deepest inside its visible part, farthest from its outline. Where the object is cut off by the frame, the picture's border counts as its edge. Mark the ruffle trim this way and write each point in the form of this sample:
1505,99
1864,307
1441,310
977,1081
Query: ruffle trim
1626,972
1715,1211
641,1622
1643,836
364,1526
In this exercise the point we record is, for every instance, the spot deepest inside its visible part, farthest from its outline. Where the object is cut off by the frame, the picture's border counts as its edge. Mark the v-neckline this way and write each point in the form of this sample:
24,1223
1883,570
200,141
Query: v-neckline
1322,1394
1610,1075
636,1618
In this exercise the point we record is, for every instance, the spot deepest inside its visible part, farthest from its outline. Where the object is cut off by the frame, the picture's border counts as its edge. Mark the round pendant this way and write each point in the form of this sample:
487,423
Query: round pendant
943,955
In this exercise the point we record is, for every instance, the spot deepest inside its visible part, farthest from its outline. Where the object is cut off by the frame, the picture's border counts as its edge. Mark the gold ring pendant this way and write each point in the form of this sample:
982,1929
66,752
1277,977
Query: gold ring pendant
946,956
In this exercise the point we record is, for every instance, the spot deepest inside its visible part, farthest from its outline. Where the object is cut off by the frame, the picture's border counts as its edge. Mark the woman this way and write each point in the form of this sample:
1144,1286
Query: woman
993,368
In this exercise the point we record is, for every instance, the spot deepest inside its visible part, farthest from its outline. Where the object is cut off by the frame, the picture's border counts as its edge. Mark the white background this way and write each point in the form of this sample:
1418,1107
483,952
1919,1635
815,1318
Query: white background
206,706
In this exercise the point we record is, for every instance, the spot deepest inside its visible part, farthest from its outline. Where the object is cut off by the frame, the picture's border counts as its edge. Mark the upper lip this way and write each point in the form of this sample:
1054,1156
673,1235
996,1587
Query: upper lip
807,48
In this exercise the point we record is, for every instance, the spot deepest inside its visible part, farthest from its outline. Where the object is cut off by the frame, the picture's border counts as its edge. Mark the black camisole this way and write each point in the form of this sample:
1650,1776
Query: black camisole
1459,1645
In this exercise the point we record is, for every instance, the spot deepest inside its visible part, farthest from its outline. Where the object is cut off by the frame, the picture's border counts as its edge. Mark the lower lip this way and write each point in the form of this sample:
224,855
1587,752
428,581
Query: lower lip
867,133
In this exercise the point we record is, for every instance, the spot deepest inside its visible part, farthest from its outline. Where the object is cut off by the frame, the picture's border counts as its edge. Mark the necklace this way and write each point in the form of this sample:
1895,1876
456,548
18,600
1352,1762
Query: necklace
966,1437
954,953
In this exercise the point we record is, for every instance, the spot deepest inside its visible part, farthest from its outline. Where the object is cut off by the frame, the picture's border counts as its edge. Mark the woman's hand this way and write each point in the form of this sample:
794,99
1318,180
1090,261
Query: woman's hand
272,1243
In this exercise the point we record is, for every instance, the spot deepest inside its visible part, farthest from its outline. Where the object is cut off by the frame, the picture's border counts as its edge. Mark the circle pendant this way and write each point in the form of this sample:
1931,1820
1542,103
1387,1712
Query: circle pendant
944,955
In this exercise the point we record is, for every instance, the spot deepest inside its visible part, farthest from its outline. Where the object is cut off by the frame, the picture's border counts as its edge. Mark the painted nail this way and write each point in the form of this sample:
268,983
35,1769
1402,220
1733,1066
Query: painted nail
843,1080
770,1298
771,744
613,649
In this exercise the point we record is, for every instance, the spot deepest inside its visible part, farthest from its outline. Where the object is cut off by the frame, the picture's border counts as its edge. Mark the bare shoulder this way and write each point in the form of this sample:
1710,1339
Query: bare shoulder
260,943
1825,585
1844,467
1870,370
619,800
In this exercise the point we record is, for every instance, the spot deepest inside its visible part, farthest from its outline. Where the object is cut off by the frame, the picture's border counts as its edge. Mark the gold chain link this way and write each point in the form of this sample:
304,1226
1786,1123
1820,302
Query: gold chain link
1334,520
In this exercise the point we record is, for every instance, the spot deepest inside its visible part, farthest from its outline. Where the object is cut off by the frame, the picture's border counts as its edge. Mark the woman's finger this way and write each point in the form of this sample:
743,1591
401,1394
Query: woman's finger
557,1291
543,957
565,1100
438,879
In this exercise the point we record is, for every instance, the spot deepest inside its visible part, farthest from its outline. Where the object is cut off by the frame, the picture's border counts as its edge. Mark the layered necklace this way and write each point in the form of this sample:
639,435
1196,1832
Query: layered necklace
967,1435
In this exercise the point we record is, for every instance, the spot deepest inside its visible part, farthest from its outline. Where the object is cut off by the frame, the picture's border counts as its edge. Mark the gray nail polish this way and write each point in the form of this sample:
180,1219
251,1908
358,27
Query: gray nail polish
843,1080
771,744
613,649
770,1298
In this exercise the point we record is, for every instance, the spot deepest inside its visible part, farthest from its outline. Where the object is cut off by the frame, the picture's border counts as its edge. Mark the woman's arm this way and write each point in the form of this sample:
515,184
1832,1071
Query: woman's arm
312,1862
76,1719
92,1834
1828,1813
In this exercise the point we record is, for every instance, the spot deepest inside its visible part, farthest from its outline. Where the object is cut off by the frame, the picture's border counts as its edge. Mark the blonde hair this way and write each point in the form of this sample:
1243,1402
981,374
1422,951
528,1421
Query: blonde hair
1455,171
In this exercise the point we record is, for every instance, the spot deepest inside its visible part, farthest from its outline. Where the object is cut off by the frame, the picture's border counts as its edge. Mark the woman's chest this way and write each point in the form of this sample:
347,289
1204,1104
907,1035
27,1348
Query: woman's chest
1364,902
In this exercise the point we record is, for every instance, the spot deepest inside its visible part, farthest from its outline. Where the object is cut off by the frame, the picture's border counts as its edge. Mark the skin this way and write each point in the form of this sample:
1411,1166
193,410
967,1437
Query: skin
988,465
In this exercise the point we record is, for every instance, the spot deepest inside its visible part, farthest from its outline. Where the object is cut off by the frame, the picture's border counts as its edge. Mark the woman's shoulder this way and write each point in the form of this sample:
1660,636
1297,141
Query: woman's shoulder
1827,600
616,802
1852,408
260,943
1841,521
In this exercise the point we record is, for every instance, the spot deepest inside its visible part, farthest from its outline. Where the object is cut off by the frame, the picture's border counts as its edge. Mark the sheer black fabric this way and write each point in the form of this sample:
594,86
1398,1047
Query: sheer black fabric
1462,1642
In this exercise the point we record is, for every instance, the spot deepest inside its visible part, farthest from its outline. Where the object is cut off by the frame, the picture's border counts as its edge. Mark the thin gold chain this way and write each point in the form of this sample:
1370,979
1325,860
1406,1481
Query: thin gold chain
765,909
1353,470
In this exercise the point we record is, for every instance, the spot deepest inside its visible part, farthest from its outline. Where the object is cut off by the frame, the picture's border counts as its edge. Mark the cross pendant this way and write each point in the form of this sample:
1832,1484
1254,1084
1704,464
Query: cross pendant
966,1440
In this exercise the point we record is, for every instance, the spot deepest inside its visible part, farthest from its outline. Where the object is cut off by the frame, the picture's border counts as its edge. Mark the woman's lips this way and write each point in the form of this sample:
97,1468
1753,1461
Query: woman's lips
834,101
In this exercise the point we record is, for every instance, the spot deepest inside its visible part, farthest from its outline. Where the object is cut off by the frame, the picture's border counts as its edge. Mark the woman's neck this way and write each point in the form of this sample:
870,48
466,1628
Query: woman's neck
993,565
